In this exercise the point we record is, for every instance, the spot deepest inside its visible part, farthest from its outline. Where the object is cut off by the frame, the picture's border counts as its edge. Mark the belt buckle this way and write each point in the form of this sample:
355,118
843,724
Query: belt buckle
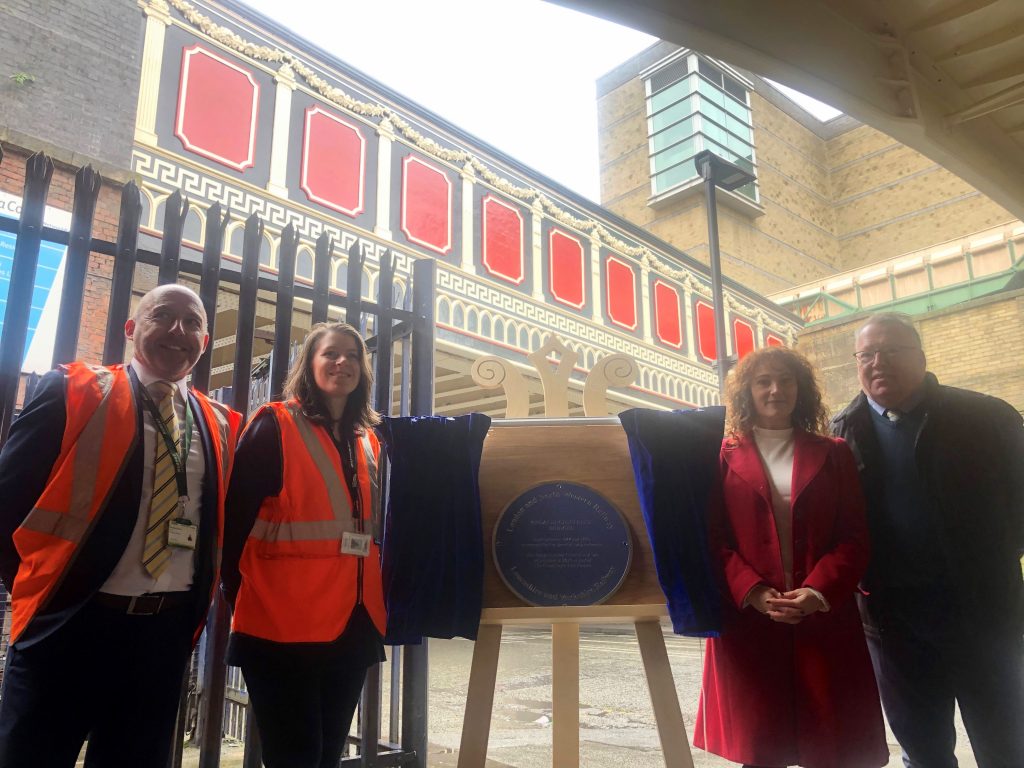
134,604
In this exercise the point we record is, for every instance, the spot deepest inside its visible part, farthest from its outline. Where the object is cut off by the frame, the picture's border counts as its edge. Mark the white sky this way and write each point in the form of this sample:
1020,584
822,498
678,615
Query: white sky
520,75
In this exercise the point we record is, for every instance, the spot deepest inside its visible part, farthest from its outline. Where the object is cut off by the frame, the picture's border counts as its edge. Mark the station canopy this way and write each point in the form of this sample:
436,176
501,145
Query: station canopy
945,77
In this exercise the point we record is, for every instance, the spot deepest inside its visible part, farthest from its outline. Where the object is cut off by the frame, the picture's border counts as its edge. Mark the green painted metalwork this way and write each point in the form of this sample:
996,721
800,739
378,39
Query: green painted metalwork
936,298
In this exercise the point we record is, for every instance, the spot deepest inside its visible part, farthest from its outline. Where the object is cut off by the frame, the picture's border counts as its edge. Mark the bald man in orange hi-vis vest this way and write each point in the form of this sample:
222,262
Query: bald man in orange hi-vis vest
112,486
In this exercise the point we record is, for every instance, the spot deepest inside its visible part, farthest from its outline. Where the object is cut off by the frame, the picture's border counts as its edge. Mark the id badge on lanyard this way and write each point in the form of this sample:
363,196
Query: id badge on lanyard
355,542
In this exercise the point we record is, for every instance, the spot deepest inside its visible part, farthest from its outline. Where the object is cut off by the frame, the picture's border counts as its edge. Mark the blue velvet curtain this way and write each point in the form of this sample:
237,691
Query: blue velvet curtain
675,464
433,558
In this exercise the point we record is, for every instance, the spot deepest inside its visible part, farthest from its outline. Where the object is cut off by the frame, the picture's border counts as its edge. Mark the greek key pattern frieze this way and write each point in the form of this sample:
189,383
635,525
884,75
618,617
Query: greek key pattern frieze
164,176
460,290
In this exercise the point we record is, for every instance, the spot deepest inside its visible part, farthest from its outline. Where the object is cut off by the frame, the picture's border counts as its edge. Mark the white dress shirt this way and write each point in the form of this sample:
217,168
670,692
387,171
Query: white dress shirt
129,577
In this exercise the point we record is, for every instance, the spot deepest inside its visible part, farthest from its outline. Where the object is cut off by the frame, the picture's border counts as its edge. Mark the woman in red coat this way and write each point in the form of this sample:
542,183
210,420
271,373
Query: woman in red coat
789,681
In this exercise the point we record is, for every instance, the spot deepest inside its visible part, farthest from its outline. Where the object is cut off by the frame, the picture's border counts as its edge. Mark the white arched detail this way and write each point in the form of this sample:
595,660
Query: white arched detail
200,215
444,310
367,279
148,218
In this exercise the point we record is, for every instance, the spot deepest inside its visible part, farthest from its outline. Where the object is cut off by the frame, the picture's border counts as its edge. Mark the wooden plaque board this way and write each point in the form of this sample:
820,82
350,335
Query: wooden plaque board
593,452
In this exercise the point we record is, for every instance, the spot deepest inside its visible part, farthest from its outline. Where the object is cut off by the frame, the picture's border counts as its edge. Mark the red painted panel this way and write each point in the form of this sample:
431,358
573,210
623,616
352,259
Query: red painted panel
742,338
426,205
333,162
774,341
217,107
565,269
668,321
503,240
706,331
620,287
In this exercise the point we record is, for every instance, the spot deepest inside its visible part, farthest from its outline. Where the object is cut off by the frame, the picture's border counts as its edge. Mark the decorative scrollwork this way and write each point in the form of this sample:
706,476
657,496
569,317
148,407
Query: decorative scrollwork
491,372
554,379
616,370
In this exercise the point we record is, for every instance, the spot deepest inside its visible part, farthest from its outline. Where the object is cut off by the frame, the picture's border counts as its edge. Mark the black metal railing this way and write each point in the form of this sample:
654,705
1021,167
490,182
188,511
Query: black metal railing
409,328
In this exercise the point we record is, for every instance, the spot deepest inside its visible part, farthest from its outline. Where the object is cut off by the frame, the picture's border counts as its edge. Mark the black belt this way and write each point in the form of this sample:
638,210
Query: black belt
143,605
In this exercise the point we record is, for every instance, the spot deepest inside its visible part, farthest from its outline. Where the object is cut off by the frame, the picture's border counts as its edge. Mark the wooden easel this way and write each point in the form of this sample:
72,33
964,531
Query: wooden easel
565,680
593,452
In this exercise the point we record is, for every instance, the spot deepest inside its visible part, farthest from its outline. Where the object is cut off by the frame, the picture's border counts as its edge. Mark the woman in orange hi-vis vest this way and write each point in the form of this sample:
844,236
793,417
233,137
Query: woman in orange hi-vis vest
301,563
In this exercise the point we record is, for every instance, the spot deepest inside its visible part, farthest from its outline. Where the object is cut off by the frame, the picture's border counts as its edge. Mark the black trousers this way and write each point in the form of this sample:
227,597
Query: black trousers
104,676
924,662
303,709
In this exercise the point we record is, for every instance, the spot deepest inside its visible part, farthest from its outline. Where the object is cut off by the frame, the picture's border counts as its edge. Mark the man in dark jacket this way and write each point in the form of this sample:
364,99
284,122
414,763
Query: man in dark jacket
943,599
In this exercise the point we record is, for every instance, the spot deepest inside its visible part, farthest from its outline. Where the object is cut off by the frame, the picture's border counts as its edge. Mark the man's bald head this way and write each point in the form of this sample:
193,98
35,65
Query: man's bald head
168,330
156,294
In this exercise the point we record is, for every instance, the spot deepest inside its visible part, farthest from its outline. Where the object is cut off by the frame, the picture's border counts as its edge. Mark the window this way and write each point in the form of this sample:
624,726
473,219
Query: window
693,105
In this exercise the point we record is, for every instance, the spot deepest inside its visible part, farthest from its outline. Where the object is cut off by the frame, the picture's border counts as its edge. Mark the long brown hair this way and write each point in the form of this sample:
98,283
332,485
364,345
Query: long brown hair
810,413
301,385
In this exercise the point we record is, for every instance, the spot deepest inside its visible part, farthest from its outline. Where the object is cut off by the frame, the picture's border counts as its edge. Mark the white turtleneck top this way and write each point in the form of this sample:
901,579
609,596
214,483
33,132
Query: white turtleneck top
776,449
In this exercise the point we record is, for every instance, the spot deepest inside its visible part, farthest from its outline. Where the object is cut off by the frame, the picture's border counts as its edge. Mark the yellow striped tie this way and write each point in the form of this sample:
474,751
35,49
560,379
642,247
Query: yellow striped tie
155,553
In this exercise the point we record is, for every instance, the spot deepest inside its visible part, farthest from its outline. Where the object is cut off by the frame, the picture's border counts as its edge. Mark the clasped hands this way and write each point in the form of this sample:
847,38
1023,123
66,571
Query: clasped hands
785,607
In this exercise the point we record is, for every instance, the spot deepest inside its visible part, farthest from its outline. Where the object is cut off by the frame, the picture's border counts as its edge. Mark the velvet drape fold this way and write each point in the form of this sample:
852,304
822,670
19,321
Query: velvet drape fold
675,465
432,553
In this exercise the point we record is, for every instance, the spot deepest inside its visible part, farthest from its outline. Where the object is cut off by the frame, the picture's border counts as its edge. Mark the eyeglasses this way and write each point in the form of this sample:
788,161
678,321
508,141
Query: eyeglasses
887,354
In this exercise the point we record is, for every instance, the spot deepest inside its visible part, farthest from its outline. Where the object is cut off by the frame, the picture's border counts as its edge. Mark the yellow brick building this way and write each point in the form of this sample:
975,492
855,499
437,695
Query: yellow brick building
842,221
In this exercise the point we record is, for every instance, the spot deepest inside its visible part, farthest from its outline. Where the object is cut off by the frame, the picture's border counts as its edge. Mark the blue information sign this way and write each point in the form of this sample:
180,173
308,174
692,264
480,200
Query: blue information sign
50,255
562,544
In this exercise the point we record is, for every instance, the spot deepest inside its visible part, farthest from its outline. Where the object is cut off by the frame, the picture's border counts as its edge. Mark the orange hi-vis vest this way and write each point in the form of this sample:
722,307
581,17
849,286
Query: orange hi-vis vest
100,434
297,586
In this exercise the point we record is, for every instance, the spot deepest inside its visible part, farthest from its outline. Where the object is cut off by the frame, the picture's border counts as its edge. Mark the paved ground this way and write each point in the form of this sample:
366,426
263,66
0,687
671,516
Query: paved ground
617,728
616,722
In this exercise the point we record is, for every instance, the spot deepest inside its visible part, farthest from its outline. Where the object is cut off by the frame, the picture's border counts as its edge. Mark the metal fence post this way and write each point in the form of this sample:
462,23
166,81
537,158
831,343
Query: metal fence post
76,264
125,255
415,669
215,671
38,172
175,211
209,283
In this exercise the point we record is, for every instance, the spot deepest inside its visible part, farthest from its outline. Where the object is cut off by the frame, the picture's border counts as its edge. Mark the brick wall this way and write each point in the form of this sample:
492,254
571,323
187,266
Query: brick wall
835,196
889,199
793,242
83,59
959,343
100,269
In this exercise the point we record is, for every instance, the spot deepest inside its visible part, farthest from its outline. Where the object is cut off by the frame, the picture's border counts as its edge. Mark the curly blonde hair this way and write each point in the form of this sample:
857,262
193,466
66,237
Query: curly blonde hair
809,415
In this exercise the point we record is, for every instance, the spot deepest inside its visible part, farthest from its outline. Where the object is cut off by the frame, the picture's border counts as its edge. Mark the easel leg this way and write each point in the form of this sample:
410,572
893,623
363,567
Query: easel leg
476,722
675,745
565,695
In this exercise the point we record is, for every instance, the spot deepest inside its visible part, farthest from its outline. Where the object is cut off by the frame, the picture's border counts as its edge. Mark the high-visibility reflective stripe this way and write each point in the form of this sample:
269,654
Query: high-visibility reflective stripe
87,461
56,524
224,434
73,524
341,508
299,530
374,475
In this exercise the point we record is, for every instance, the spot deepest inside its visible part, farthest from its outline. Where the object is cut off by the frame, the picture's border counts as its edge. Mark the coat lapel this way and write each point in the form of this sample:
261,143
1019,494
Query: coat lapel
809,454
744,460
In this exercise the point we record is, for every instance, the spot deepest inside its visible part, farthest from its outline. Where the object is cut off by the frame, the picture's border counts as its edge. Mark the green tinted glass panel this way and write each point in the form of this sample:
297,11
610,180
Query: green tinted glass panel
675,175
670,95
742,111
673,114
672,134
684,150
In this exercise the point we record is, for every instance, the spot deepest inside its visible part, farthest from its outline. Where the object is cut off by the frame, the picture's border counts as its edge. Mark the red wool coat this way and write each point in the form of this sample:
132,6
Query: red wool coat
779,694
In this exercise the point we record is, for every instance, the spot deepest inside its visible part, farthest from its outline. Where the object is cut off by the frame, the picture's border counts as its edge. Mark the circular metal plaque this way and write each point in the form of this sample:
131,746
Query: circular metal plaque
562,544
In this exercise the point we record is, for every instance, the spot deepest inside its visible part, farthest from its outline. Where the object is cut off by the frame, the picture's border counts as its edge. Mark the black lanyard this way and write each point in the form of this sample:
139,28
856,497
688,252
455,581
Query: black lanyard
180,474
357,500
